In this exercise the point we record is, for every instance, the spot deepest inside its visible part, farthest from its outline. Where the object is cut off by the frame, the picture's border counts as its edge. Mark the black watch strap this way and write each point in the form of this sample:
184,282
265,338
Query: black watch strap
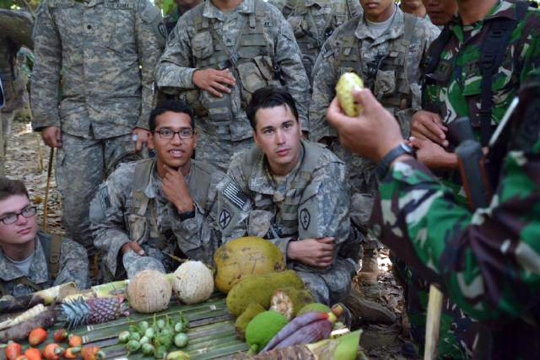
401,149
187,215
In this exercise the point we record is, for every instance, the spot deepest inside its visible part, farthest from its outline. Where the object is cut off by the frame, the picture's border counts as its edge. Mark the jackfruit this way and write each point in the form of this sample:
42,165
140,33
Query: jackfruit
344,87
288,301
243,257
263,328
259,289
243,320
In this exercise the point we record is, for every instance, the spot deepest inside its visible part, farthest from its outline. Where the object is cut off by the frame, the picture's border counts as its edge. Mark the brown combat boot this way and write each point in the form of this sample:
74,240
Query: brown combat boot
366,311
370,268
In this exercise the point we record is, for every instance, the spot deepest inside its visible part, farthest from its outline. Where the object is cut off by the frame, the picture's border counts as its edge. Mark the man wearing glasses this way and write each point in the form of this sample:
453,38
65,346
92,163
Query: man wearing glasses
152,212
31,260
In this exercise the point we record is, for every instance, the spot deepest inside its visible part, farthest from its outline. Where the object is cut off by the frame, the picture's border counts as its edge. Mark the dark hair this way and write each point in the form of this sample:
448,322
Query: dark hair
176,106
10,187
269,97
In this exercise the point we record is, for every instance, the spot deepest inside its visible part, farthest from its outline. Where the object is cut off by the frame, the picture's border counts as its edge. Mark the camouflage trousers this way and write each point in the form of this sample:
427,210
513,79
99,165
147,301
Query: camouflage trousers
329,286
458,332
218,152
6,119
81,166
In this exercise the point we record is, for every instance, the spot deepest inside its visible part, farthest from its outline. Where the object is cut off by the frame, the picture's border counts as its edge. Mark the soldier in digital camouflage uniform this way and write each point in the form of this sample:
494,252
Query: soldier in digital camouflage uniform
92,88
294,193
452,90
486,261
385,48
16,96
314,21
31,260
217,58
154,207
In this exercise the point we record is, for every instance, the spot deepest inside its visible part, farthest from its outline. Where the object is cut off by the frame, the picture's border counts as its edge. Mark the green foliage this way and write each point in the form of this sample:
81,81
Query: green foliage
167,6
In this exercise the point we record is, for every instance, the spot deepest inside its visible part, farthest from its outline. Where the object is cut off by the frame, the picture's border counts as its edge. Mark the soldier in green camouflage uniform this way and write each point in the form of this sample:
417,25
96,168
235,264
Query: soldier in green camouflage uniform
294,193
486,261
154,207
31,260
386,52
216,59
314,21
445,101
102,54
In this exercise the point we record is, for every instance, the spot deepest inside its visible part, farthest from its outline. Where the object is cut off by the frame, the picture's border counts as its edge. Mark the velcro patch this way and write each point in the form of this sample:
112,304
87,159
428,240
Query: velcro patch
104,199
235,195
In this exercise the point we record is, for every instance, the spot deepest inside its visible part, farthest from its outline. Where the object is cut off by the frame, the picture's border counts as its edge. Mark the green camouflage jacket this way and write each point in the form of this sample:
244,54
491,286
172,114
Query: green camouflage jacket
459,94
488,261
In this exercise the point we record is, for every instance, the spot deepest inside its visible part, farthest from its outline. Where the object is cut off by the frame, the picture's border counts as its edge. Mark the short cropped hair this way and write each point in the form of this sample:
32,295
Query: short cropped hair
10,187
176,106
269,97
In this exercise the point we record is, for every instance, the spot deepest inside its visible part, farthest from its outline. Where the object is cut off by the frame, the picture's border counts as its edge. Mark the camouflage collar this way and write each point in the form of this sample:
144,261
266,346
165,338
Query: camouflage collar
394,31
260,180
212,12
9,272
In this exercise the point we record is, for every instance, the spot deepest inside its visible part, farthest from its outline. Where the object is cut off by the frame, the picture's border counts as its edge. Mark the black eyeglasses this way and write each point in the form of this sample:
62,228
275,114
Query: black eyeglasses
169,134
11,218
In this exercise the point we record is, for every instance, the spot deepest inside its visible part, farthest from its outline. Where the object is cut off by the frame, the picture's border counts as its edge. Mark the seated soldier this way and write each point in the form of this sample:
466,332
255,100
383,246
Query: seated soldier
31,260
294,193
153,212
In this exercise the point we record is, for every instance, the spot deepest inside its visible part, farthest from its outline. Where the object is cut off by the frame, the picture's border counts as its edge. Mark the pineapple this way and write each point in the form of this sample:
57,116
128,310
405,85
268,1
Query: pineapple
76,312
344,88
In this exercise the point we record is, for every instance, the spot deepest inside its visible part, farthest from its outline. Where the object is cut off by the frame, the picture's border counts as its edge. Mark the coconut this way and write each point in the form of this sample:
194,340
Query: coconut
193,282
149,291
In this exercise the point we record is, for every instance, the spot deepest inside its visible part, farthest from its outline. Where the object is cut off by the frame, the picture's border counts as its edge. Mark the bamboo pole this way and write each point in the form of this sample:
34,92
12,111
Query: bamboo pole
48,186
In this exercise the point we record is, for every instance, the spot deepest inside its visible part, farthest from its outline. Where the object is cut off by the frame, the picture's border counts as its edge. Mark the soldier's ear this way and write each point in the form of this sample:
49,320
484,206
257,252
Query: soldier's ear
151,144
256,138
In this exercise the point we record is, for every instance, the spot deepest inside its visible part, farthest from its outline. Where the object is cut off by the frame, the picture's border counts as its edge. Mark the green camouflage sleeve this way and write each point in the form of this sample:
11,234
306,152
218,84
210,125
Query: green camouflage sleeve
73,265
151,35
488,261
107,217
48,55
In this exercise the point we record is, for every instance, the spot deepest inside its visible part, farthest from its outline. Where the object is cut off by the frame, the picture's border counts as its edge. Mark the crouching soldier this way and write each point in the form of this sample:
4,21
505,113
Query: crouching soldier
292,192
152,212
31,260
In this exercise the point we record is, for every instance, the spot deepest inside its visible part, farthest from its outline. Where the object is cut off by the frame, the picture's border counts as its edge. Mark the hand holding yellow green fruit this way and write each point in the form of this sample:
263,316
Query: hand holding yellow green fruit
344,87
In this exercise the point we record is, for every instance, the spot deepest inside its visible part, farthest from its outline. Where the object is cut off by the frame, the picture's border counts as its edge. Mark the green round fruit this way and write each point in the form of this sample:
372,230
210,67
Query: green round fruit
263,328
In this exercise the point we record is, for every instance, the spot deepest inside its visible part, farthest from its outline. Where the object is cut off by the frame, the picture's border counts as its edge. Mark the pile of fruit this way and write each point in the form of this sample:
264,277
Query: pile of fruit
158,339
64,346
274,311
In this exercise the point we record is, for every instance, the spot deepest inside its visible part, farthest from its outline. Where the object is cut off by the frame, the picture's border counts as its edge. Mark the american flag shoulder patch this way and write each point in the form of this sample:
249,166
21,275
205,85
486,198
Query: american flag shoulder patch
235,195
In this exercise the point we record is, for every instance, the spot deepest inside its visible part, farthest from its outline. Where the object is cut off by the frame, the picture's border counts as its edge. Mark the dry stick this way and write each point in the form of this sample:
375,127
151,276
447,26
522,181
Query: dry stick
433,322
46,201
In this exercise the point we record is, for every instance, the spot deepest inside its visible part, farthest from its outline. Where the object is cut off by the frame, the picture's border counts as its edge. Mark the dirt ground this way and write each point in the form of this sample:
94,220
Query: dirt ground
28,159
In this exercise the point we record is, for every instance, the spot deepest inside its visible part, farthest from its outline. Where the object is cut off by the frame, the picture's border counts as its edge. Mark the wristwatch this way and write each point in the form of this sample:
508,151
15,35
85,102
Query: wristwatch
401,149
187,215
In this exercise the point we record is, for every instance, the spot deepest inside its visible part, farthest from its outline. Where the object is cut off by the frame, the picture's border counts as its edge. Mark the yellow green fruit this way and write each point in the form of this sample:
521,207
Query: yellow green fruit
243,257
259,289
243,320
263,328
344,87
314,307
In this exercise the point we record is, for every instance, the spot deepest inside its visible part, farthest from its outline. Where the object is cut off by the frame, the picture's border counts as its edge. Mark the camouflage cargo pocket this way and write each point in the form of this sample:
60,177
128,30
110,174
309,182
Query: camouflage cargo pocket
138,228
385,83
